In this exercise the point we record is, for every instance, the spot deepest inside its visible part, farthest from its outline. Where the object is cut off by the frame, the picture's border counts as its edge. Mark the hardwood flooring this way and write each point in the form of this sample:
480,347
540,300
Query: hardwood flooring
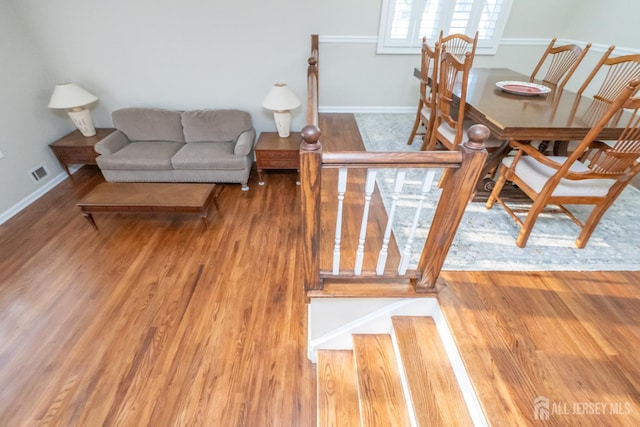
571,338
155,320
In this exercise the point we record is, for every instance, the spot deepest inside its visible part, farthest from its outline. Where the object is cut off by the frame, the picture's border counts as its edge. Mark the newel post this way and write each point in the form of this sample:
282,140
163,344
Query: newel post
457,190
310,179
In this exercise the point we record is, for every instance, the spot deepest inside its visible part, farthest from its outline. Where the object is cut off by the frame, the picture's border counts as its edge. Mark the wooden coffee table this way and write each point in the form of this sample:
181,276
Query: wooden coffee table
143,197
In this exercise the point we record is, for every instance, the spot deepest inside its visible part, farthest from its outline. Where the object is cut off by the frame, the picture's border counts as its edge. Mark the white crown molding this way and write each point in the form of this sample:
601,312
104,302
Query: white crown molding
595,47
524,42
349,39
601,48
514,41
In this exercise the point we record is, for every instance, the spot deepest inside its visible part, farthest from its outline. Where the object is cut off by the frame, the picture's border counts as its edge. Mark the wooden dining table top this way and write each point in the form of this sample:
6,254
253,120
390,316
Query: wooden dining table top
560,115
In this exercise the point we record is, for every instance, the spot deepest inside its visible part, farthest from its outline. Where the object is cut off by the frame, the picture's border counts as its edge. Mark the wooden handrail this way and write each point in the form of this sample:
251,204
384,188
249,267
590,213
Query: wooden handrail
466,164
313,83
401,159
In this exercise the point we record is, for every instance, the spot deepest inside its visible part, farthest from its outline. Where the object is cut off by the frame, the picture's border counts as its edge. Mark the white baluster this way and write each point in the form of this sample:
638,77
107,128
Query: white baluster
397,189
406,254
369,186
342,188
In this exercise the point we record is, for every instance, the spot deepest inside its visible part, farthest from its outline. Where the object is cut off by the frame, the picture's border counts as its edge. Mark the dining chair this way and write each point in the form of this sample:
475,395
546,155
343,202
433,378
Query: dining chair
449,123
428,83
459,44
595,173
561,62
616,73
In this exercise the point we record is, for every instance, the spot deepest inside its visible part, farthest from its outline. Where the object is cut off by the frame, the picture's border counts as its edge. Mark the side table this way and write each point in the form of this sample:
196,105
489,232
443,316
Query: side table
273,152
75,148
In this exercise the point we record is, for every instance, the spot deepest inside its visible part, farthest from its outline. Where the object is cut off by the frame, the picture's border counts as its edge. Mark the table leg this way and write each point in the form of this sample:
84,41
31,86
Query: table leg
89,218
260,181
62,163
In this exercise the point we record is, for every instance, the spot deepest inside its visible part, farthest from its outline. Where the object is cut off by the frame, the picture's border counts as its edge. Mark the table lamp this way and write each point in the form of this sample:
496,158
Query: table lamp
281,100
74,99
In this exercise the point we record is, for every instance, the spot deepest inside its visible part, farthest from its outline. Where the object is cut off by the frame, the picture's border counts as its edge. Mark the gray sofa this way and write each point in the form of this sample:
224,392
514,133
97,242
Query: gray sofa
155,145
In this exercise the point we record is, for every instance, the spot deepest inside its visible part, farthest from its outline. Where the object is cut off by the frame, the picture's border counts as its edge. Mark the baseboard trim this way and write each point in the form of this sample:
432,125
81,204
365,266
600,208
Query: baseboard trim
55,180
366,109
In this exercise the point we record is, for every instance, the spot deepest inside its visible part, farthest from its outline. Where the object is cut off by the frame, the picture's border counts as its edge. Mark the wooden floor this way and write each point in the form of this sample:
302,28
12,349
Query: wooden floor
154,320
570,337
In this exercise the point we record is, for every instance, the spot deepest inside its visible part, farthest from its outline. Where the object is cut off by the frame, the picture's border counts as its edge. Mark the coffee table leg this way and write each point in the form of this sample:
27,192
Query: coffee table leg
89,218
204,221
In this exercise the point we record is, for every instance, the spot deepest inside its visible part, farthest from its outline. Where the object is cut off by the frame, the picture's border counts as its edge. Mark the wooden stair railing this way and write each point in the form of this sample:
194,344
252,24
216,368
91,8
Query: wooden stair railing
465,165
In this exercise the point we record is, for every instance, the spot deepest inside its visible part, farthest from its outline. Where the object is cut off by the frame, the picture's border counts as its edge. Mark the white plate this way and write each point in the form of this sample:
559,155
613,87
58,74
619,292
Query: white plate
523,88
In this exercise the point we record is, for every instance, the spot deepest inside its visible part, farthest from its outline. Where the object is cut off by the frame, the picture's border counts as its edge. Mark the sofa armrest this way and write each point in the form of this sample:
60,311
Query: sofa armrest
112,143
244,143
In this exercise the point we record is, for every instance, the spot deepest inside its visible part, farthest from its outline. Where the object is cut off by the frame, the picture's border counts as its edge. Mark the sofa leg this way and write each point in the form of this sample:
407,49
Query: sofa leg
245,187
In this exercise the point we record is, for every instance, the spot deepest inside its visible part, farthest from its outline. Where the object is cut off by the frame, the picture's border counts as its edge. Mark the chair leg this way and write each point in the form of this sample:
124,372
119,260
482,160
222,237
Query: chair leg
427,135
433,138
498,187
416,124
529,222
425,141
593,221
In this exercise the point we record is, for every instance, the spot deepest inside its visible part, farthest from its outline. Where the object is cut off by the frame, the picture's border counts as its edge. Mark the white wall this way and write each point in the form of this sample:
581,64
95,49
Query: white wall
26,124
212,53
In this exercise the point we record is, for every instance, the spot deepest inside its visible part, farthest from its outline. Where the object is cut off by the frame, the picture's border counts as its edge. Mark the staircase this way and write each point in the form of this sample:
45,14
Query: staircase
400,378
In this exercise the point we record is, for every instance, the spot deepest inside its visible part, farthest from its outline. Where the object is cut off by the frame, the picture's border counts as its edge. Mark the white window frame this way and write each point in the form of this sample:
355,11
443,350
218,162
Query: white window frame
412,44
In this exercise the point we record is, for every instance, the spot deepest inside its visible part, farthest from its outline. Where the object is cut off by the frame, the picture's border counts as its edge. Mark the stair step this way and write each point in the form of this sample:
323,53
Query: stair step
337,390
433,387
382,400
363,289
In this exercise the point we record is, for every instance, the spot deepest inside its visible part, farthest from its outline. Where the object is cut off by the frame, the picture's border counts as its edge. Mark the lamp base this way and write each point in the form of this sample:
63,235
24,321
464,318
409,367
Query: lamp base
283,123
81,117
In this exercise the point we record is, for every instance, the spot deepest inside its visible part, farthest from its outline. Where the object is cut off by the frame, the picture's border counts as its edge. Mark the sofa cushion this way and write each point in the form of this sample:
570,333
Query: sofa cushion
149,124
147,155
214,125
214,155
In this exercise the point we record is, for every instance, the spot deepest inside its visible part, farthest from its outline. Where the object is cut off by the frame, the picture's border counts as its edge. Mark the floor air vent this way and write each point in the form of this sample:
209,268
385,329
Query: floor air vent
39,173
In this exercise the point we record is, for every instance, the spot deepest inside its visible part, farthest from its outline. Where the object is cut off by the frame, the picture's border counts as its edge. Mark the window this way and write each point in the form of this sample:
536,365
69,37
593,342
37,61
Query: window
403,23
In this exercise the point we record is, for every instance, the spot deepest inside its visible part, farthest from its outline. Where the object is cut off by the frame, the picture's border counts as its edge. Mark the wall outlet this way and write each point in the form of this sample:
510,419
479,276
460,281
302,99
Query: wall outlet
1,155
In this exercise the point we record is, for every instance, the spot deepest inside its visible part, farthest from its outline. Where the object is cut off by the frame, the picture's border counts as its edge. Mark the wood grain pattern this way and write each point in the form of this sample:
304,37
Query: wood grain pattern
433,386
152,320
337,389
382,400
568,336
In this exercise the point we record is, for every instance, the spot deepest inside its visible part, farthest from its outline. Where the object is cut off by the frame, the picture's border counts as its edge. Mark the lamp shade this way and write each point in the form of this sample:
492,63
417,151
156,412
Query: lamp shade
70,95
280,98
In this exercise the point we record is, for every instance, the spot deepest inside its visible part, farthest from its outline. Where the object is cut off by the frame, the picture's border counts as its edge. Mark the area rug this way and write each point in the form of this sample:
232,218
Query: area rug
486,237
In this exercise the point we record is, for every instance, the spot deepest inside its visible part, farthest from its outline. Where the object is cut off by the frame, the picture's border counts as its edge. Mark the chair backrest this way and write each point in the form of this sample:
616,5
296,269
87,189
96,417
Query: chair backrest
563,61
620,71
429,72
621,156
459,44
453,73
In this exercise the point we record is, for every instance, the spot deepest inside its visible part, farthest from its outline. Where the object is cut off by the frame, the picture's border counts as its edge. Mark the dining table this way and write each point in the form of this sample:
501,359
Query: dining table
553,115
